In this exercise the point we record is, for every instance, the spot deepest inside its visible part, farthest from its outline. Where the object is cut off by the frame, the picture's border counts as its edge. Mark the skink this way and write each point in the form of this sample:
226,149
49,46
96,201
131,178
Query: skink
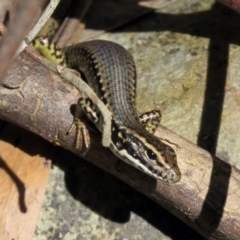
110,71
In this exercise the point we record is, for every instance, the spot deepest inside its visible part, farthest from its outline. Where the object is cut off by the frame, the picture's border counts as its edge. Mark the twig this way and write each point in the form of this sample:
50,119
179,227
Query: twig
42,20
27,11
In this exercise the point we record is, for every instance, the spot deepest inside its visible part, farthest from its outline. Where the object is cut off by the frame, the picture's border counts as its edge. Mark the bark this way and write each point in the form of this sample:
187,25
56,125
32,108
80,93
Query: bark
207,198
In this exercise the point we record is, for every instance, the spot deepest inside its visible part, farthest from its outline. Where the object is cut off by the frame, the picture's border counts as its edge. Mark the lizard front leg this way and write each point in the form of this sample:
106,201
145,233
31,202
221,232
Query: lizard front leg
86,106
150,120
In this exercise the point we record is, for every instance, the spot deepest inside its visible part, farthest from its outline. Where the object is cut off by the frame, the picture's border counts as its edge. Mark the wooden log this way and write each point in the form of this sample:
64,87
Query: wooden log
207,198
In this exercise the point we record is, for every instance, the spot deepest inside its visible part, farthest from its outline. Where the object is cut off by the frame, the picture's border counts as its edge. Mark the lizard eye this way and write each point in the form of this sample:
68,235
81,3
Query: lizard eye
119,144
151,155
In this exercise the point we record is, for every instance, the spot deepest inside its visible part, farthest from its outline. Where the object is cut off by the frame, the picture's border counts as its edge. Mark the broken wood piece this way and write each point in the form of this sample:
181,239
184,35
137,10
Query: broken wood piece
24,179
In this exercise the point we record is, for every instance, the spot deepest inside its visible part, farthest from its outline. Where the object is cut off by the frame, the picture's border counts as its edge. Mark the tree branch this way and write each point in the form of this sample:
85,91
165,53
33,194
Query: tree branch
207,198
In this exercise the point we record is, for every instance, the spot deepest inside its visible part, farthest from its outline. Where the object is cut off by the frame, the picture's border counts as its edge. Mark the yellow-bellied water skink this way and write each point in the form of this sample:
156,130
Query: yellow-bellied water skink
109,70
